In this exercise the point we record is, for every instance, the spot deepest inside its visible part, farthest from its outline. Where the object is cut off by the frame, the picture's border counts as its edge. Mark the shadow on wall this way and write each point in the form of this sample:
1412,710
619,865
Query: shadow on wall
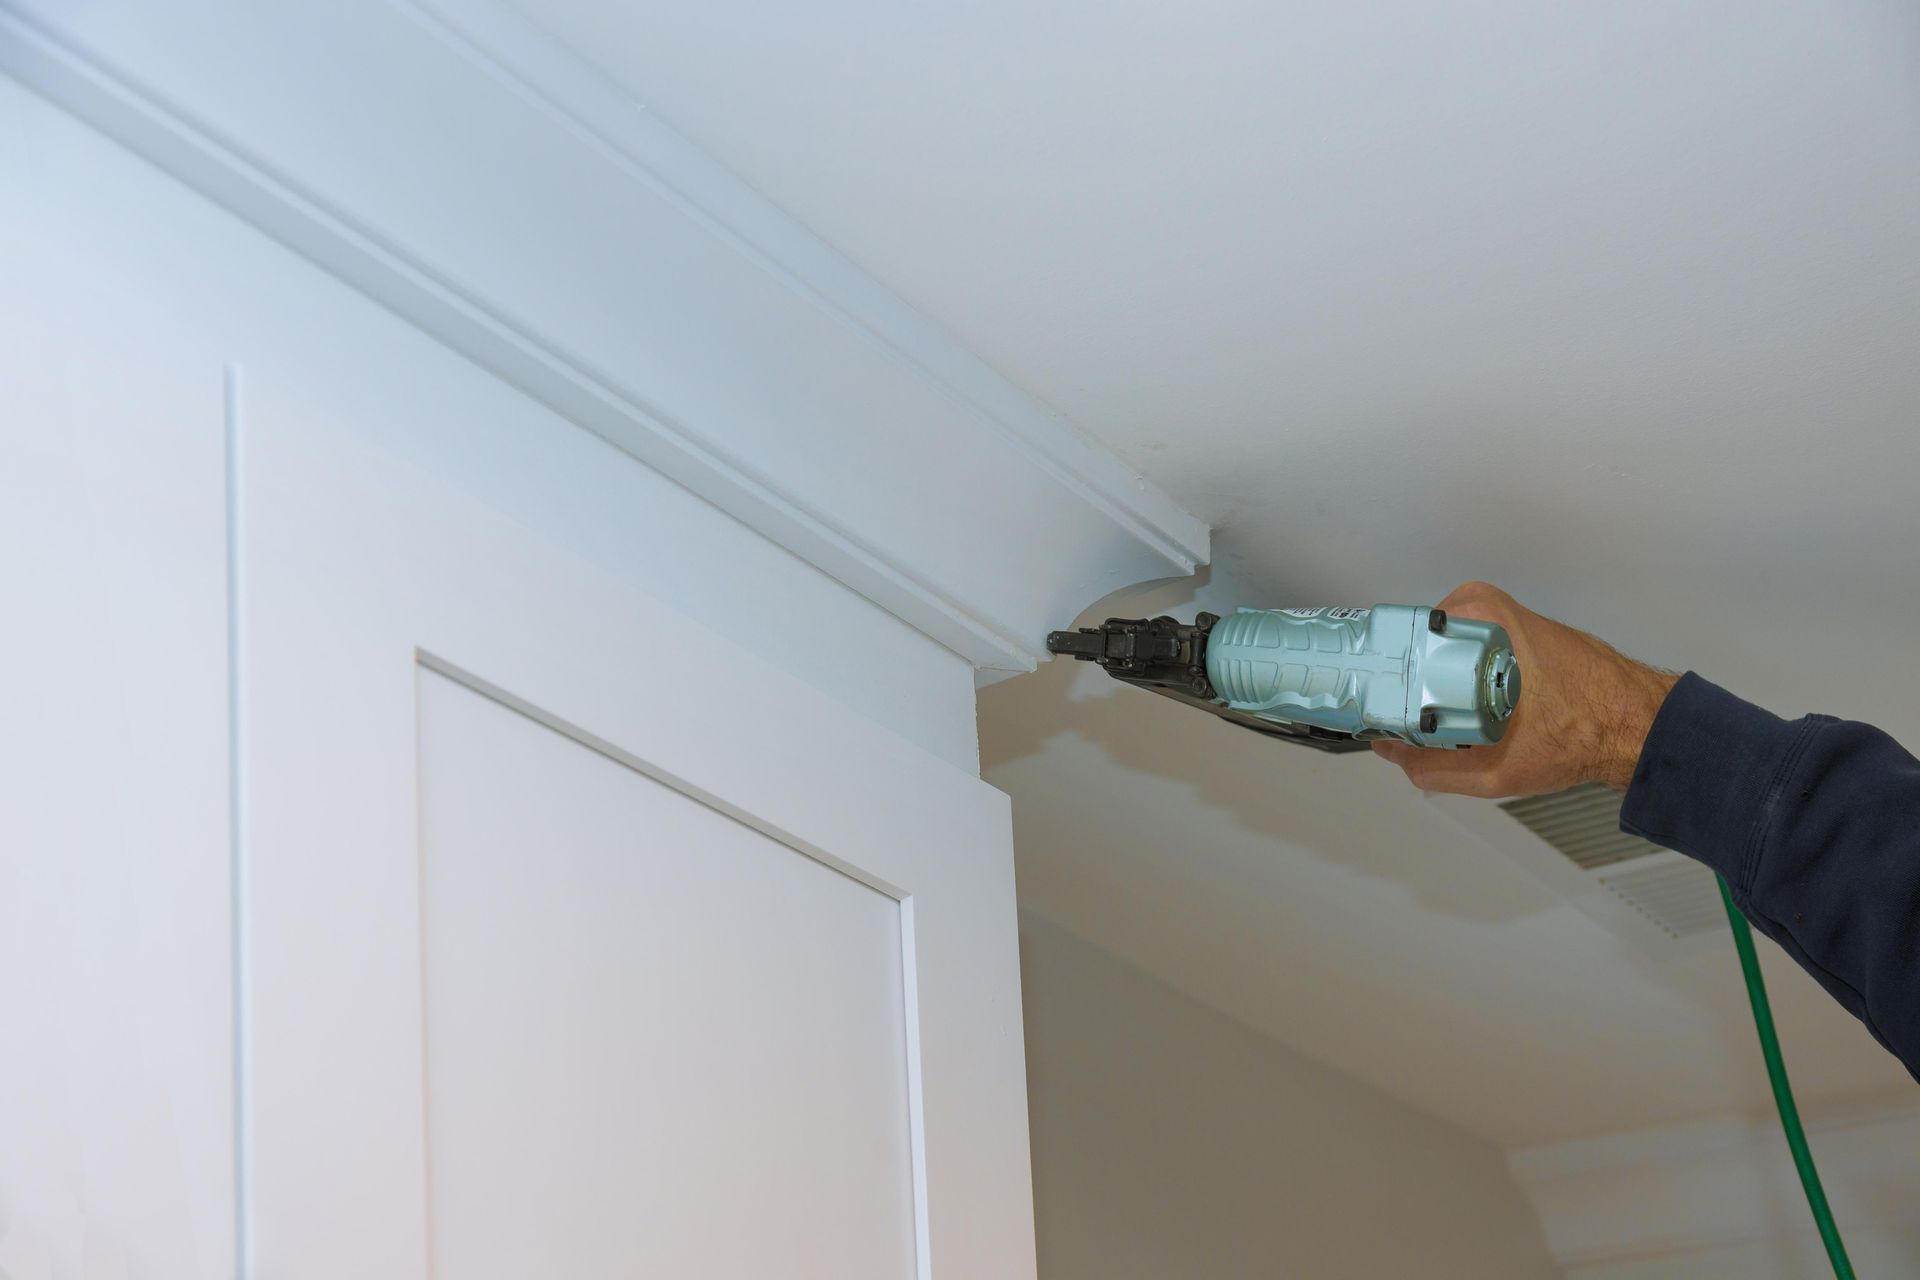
1355,812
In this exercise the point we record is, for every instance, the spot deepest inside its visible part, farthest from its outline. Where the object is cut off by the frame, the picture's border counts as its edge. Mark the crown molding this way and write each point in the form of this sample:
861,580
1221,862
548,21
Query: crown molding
454,163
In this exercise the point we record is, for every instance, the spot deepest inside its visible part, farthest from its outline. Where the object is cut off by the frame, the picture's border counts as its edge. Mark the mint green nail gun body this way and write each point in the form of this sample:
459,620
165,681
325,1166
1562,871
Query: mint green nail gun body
1332,678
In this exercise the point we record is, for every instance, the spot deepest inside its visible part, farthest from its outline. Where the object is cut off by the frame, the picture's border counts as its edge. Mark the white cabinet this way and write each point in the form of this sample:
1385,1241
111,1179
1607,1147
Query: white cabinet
579,938
393,883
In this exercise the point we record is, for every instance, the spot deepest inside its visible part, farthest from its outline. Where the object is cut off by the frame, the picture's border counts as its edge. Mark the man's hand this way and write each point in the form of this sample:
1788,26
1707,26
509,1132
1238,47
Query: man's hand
1583,716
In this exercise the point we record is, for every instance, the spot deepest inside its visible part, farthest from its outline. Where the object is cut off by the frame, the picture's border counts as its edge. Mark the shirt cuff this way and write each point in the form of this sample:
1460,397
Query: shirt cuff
1707,774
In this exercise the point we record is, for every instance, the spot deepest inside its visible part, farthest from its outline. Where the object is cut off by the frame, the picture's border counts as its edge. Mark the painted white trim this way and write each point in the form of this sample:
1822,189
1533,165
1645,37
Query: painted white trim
1706,1189
460,167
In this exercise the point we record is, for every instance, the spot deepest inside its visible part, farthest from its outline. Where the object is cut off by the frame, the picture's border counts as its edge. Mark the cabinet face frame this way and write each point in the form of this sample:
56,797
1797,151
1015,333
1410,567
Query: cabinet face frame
353,572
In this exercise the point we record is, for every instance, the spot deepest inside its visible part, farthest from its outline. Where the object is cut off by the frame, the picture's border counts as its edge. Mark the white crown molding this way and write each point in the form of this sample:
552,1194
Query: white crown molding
457,165
1722,1189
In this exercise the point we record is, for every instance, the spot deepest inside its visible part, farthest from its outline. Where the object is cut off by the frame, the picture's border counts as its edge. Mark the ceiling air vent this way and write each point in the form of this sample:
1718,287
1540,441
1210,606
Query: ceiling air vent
1583,824
1572,839
1676,893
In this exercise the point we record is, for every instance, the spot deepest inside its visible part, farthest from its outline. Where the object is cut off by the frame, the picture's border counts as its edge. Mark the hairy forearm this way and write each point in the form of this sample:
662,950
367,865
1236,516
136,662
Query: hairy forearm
1620,720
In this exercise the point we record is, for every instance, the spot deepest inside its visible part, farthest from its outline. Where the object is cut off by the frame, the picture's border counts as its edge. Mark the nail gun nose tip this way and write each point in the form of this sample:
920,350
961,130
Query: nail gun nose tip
1081,644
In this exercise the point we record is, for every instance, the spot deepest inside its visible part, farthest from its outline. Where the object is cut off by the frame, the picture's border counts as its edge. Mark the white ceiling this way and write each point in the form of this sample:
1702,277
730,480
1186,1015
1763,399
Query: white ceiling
1616,304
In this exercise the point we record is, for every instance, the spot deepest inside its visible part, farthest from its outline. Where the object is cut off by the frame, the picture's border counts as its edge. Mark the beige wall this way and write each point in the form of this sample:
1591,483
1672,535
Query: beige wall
1172,1143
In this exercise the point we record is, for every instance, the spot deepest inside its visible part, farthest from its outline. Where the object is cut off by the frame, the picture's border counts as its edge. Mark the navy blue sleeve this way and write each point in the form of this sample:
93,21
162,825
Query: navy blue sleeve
1815,823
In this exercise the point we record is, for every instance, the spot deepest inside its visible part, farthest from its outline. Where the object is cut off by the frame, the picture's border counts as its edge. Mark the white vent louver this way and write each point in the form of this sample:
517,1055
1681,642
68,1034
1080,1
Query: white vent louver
1602,868
1674,893
1583,824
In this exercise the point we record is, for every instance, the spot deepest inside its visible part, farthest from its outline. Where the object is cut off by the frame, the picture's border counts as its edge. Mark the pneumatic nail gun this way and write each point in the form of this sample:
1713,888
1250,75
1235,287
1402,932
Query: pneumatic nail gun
1329,678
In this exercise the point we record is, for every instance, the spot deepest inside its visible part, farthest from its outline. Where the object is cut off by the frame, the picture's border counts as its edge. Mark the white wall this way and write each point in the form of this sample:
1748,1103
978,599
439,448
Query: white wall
1170,1140
1718,1198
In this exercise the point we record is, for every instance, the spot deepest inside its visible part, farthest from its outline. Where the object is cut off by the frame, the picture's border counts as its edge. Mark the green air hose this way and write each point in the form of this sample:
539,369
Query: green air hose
1782,1091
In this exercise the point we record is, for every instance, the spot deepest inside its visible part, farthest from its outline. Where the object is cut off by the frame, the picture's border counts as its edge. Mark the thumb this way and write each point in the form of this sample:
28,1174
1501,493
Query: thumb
1391,749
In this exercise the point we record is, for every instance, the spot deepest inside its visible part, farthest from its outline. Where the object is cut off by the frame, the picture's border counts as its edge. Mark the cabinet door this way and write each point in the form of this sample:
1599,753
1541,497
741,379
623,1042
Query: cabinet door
575,938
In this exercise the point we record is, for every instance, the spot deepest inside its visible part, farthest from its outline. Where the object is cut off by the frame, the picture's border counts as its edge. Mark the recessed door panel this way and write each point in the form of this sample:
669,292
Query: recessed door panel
658,1041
